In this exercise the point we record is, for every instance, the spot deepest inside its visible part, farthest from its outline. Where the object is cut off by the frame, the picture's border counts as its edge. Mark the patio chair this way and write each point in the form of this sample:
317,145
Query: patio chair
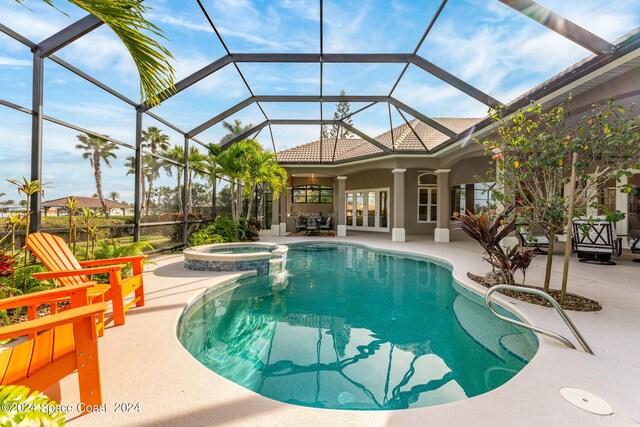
634,245
326,225
595,241
312,227
528,240
63,266
58,345
300,222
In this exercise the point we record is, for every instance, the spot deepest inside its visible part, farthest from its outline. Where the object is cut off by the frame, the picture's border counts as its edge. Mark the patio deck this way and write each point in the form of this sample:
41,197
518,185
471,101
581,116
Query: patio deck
144,363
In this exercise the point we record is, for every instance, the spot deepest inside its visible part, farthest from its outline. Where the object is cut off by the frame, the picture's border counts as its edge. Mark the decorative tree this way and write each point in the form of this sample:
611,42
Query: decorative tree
534,155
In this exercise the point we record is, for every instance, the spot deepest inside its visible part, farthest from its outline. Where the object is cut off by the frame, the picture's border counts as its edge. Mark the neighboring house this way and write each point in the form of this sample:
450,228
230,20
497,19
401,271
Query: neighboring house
410,181
58,206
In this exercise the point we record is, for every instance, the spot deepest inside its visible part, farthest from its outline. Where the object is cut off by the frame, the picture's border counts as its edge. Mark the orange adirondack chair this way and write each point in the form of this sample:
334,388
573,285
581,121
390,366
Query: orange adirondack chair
54,254
59,345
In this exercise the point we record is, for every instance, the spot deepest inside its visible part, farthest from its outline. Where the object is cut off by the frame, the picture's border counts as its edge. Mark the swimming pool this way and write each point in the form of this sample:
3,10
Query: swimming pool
348,327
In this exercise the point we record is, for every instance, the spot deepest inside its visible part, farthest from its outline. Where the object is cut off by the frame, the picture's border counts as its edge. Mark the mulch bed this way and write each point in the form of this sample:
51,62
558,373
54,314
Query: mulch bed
572,302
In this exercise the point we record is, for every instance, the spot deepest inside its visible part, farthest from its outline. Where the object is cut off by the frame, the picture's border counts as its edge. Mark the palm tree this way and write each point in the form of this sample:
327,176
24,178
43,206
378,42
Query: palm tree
176,154
196,163
126,20
234,130
114,195
97,150
131,164
263,170
234,164
154,140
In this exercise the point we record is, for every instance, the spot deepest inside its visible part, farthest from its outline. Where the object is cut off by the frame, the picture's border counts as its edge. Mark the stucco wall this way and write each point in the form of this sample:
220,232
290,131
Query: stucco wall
465,171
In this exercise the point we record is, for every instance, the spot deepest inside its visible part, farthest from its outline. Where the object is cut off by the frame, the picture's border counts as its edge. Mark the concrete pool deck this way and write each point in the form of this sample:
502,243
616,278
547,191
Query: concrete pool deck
143,362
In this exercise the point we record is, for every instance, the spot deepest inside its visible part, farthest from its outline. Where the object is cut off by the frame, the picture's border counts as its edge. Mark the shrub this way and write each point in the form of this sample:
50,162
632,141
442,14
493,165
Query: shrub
224,230
488,229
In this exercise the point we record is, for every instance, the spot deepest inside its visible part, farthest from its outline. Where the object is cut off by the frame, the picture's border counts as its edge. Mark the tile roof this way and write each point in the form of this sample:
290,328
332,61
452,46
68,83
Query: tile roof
404,139
84,202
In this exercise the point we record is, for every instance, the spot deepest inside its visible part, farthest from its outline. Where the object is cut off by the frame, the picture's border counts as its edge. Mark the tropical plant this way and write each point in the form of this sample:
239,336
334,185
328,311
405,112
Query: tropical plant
28,188
16,402
72,210
113,195
154,140
263,170
197,163
204,237
176,155
233,130
12,224
535,155
113,249
7,263
90,231
224,227
126,19
97,150
489,229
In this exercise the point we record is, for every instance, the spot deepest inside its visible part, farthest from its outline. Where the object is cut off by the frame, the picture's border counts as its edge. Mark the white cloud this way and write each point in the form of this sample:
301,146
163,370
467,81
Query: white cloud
14,62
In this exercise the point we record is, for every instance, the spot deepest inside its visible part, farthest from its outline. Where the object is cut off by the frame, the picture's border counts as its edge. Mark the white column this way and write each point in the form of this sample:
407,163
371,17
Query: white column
397,232
622,205
342,207
441,233
283,212
275,217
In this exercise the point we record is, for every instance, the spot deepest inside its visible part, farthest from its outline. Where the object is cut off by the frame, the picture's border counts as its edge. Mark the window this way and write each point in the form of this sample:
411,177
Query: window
312,194
474,197
427,197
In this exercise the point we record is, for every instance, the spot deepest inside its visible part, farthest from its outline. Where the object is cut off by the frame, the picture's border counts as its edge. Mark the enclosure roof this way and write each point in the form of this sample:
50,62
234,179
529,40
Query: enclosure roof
279,64
84,202
412,136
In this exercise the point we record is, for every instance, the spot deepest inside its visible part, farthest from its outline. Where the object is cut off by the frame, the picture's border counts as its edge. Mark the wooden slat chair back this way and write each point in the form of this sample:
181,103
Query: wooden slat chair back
59,344
64,267
54,253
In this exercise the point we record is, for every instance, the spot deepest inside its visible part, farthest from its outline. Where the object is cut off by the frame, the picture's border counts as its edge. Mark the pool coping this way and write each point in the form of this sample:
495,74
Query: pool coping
198,396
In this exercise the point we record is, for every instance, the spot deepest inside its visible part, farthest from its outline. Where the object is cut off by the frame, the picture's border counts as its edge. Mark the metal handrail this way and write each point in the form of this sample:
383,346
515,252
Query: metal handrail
542,331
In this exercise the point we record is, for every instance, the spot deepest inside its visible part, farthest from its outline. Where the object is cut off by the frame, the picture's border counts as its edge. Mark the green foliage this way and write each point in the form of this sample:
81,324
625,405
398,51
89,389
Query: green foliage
225,230
533,154
23,283
489,229
126,19
246,165
205,237
112,249
13,397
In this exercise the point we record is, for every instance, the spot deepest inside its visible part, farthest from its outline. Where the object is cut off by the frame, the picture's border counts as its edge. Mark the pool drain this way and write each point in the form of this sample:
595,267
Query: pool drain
586,401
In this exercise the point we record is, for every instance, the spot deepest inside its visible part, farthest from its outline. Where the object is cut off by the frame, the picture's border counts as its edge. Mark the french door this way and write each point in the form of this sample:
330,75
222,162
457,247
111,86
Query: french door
367,209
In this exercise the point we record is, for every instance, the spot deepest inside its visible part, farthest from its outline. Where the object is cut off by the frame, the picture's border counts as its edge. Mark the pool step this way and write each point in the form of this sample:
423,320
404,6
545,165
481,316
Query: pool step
488,331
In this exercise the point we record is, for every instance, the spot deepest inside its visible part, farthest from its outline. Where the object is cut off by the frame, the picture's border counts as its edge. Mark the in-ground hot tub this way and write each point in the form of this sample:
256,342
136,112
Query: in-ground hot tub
265,258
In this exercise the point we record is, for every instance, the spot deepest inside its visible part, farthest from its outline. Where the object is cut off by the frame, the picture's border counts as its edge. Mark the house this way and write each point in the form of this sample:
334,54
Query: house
409,181
59,206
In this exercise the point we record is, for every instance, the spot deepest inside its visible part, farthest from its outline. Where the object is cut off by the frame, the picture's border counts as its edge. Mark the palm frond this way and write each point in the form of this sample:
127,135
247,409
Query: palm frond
126,19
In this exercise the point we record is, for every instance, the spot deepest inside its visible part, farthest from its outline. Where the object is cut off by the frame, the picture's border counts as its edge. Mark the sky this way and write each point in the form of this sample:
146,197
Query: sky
483,42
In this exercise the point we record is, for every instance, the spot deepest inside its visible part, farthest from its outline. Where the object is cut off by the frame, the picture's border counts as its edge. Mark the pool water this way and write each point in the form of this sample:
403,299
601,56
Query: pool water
346,327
